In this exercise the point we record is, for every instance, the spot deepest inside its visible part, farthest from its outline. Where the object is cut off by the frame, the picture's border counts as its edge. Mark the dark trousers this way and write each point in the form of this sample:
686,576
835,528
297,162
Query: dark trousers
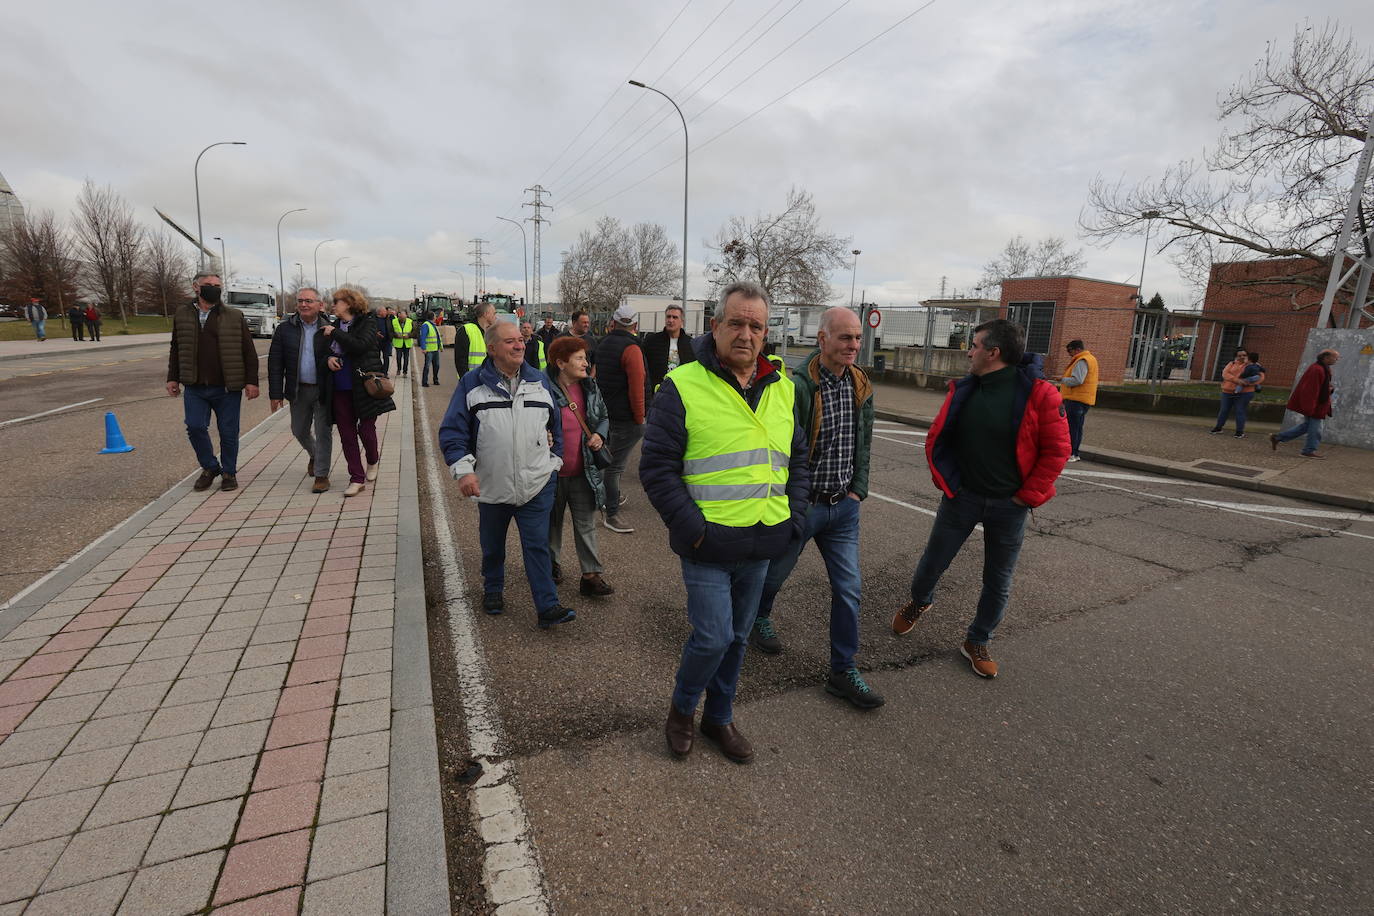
386,357
532,520
351,429
94,328
624,436
429,364
1075,412
78,328
199,401
403,360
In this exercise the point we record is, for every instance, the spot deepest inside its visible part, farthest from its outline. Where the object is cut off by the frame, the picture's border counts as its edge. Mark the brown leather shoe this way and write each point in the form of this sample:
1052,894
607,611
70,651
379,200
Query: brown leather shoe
206,478
905,620
310,468
731,743
321,484
595,586
229,482
679,732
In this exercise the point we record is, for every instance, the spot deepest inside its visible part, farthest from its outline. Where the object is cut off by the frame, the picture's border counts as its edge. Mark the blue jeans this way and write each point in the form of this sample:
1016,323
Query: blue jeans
532,521
1004,525
1238,401
40,331
721,602
836,532
431,365
1312,427
1075,412
198,401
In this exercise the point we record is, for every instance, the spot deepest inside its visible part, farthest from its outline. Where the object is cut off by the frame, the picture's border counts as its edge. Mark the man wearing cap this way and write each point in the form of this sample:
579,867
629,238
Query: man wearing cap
623,378
470,348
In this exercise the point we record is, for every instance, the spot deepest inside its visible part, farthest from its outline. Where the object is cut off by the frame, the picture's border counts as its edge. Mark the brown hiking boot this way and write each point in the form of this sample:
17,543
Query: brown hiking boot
206,478
229,482
978,659
905,619
321,484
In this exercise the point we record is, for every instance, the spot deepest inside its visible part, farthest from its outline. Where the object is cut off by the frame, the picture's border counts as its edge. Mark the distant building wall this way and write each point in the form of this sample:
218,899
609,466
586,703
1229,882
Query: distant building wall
1101,313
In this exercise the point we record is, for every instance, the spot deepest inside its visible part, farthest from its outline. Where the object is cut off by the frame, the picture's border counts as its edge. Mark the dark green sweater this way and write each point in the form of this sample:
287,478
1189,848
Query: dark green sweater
985,438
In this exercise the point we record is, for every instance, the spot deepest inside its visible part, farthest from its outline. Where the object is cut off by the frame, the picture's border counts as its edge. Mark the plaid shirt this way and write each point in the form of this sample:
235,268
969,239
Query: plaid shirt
832,464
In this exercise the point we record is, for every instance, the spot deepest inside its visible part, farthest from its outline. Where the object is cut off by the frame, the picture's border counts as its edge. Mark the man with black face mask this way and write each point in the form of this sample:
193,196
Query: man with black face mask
213,356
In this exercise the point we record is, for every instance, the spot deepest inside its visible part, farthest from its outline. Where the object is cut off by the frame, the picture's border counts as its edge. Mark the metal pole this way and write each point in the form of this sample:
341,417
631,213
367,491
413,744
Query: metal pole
349,270
1150,216
200,231
525,240
336,269
300,275
1338,256
686,152
317,262
853,273
281,271
223,260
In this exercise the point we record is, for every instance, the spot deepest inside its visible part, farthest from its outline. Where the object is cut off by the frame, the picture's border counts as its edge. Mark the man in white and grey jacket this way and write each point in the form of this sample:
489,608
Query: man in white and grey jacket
502,438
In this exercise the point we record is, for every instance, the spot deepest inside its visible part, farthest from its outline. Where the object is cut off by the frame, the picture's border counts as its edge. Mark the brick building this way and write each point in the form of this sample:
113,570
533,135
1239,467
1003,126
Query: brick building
1056,310
1249,304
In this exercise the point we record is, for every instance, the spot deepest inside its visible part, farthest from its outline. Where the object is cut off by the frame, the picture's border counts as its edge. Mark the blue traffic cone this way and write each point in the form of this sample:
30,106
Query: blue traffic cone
114,439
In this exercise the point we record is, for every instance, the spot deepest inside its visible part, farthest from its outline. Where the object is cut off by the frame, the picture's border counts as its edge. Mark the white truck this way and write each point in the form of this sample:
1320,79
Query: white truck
257,299
794,326
649,309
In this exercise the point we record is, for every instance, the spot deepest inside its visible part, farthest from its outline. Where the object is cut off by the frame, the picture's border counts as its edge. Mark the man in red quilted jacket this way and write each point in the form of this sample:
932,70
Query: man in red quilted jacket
995,449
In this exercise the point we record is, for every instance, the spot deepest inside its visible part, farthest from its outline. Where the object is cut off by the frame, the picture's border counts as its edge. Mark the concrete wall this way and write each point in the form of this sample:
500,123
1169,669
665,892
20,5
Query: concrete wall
1352,419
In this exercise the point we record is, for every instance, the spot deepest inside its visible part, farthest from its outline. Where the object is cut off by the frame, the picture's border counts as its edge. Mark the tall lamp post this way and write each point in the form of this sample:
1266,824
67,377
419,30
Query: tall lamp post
527,254
281,274
686,151
349,270
223,259
317,261
300,275
853,273
346,257
200,231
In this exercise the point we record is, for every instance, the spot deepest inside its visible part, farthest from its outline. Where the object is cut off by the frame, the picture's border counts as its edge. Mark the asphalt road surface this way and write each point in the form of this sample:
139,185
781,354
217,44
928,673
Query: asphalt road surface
1182,721
59,493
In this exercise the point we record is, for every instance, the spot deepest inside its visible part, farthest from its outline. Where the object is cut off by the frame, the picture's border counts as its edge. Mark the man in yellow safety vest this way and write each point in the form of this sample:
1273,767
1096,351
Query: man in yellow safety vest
470,349
725,465
534,347
430,345
1078,388
402,332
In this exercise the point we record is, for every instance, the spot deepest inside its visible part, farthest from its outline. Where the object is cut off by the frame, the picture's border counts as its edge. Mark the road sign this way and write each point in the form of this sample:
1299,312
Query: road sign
875,318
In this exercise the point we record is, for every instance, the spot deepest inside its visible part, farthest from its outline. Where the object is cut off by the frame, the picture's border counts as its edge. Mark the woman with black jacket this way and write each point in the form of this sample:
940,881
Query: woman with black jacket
353,349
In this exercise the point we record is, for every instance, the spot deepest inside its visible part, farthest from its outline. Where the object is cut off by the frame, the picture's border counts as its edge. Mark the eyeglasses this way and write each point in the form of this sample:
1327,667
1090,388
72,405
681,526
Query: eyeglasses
307,301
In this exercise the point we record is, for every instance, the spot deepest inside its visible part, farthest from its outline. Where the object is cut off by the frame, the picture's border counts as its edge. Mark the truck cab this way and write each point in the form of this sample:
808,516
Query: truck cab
258,302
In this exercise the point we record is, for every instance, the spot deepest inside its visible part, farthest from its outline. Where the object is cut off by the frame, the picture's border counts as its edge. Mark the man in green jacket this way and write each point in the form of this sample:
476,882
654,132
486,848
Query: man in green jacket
834,406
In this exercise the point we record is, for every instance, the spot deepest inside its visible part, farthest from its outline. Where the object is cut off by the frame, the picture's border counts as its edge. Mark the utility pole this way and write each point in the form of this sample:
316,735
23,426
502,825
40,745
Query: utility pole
942,286
479,267
539,206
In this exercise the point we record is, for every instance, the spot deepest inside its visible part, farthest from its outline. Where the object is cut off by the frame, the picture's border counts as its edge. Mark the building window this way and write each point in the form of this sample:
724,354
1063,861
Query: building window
1037,318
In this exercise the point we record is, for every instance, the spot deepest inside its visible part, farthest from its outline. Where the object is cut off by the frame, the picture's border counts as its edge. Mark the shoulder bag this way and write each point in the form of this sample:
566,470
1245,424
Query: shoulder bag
601,457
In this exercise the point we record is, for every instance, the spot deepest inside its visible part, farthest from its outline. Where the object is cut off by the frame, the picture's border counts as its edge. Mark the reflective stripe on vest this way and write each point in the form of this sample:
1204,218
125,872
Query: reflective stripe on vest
400,333
543,363
431,336
735,486
477,346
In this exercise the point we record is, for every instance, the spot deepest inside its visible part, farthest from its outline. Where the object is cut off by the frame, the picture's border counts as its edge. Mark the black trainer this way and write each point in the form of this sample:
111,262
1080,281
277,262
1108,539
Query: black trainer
764,638
556,615
493,603
850,685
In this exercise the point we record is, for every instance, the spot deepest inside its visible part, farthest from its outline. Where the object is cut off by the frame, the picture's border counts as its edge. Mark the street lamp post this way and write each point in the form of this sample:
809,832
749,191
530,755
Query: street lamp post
336,268
349,270
317,262
527,255
281,275
223,259
300,275
853,274
686,150
200,231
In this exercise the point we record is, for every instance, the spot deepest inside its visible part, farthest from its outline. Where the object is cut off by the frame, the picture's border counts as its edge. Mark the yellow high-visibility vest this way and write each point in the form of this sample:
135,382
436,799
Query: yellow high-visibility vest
400,332
1085,393
431,337
477,345
539,349
736,464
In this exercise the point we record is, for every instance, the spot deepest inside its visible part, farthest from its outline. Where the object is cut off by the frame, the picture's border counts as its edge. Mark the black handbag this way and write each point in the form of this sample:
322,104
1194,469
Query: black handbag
601,457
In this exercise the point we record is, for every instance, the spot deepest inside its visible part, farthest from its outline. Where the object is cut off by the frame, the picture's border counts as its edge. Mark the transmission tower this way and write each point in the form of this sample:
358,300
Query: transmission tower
539,206
479,267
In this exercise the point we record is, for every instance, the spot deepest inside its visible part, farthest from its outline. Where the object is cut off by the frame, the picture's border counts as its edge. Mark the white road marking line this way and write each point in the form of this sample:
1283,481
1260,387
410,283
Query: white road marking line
1112,475
898,441
495,797
35,416
1291,510
1222,508
905,505
903,432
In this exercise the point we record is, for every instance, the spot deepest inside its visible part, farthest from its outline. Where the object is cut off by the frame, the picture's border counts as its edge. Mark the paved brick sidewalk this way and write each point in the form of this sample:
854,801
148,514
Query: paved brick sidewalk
204,716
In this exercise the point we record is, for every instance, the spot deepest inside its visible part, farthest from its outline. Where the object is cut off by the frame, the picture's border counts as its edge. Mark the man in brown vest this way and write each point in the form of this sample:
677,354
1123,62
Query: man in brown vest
213,356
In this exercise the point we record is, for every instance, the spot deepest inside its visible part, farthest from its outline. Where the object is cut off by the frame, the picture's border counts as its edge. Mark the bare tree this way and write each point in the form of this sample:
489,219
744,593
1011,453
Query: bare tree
38,253
1046,258
1278,182
165,269
786,253
98,213
609,261
129,257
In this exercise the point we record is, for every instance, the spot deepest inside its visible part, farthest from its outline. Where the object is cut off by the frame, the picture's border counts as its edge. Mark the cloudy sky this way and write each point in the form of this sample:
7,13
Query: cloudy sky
407,128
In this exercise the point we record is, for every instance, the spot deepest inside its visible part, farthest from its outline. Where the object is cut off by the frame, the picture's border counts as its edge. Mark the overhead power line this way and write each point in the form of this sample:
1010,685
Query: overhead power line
812,78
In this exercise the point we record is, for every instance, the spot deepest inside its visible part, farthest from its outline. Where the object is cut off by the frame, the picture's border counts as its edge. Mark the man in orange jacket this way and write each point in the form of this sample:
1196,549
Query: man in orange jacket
995,449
